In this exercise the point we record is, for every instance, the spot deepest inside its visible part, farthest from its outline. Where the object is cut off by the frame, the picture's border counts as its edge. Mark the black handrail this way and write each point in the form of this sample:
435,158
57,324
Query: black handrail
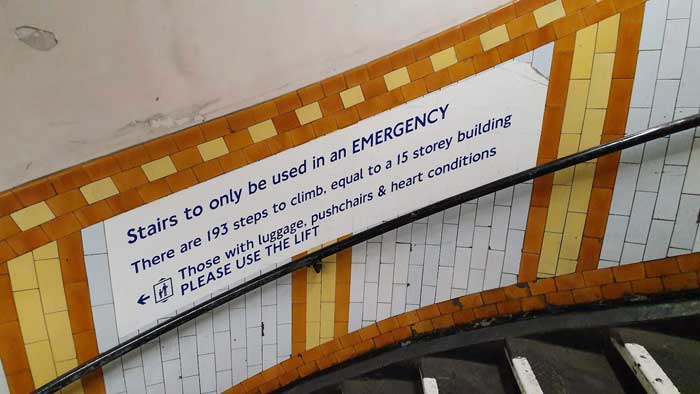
315,257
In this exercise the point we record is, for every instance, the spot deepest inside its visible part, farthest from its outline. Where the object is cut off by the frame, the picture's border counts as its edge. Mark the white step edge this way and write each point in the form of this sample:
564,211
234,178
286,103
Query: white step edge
648,372
430,386
524,375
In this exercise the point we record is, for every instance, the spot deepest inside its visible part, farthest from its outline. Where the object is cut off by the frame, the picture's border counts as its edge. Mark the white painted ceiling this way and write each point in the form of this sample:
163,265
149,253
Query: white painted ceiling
124,72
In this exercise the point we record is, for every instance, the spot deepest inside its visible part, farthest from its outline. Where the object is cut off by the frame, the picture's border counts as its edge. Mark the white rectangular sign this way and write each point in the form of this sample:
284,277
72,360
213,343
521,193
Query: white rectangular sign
173,251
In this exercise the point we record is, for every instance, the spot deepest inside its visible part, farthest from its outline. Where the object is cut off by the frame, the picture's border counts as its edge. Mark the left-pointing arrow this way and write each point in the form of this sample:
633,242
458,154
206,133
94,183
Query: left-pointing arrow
142,299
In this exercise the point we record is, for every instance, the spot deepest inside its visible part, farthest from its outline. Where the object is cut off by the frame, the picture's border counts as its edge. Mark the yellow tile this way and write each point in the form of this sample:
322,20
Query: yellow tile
53,297
352,96
32,215
566,266
549,13
573,232
575,106
583,53
31,316
556,214
65,366
550,253
58,325
544,275
312,334
493,38
309,113
328,282
160,168
99,190
568,144
48,251
607,34
600,80
41,362
22,273
315,248
592,128
398,78
262,131
312,276
443,59
212,149
313,302
564,177
327,319
581,189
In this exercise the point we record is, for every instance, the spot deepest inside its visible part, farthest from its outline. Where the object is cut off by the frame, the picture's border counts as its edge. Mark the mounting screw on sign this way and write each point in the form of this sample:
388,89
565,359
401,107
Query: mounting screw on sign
163,290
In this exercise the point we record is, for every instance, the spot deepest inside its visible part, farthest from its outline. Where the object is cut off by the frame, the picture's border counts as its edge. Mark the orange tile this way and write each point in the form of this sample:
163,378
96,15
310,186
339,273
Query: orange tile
129,179
66,202
560,298
523,7
402,57
85,345
79,309
126,201
154,190
181,180
486,60
535,230
356,76
437,80
277,144
512,49
160,147
29,240
333,85
7,227
587,295
420,69
257,152
6,253
461,70
628,38
70,253
618,105
569,281
521,26
468,49
414,90
662,267
61,226
501,15
238,140
426,48
8,311
373,88
622,5
34,192
132,157
69,179
689,262
93,382
287,103
606,171
347,117
475,27
9,203
626,273
264,111
286,122
331,105
309,94
571,6
379,67
542,190
450,37
598,210
101,168
599,11
678,282
213,129
14,357
206,171
302,134
187,158
539,37
20,382
188,138
569,25
240,120
94,213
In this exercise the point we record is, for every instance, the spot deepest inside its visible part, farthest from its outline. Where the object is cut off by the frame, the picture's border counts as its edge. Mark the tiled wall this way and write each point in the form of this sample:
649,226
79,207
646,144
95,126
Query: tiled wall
210,354
656,201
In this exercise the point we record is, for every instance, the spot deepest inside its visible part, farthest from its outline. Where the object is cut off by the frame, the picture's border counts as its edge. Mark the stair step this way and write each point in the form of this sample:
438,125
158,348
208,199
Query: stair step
398,378
678,357
466,376
561,369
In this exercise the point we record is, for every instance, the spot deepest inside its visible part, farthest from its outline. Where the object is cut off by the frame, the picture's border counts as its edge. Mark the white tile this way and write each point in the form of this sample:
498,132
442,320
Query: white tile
514,248
653,25
456,293
269,319
173,382
403,254
476,281
372,265
239,370
419,232
169,347
4,388
398,299
152,364
494,268
640,220
525,58
359,253
254,369
645,78
430,265
269,356
686,228
434,229
187,329
190,385
269,294
253,308
369,305
504,197
448,245
383,311
188,359
632,253
608,264
114,377
388,247
481,246
223,380
692,183
673,50
205,334
105,326
284,340
679,146
465,231
444,284
652,165
451,215
427,295
403,234
508,279
499,228
542,59
669,192
238,325
132,359
355,316
659,239
158,388
637,120
94,241
207,373
254,346
462,264
357,282
679,9
694,34
284,304
623,192
386,276
484,210
222,350
220,318
134,381
415,275
614,237
521,205
664,101
97,268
